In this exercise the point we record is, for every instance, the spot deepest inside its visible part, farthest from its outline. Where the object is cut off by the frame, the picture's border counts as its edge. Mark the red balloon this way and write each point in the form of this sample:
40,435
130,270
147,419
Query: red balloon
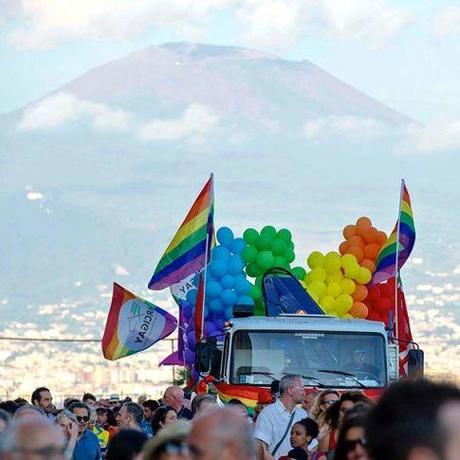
382,305
373,294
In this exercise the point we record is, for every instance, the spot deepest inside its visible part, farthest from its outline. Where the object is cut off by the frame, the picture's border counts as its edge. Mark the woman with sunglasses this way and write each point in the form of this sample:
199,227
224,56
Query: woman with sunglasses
351,444
323,400
333,419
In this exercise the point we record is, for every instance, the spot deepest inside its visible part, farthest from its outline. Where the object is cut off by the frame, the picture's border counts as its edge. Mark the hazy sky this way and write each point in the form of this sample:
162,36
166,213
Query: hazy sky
404,53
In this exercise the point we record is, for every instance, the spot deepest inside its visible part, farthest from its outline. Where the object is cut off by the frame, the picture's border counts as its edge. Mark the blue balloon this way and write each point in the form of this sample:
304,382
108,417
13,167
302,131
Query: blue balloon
238,245
213,289
191,296
210,329
218,268
225,236
235,265
229,313
228,297
242,285
215,306
245,300
191,340
189,357
220,253
227,282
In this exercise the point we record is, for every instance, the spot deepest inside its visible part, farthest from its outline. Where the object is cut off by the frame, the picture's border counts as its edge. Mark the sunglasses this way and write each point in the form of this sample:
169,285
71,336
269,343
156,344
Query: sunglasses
351,444
84,418
330,402
174,448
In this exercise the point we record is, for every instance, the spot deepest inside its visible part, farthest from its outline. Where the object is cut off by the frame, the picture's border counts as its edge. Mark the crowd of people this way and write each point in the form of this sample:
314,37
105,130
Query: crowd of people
412,420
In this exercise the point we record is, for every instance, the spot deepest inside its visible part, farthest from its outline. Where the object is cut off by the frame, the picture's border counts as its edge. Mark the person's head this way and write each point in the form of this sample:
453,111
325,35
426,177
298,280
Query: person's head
65,420
292,389
169,443
163,416
324,400
239,406
9,406
335,414
5,418
89,399
275,389
126,445
357,357
130,415
69,401
297,454
417,420
351,444
29,411
309,400
81,411
141,400
303,432
21,401
201,403
221,433
149,406
33,439
174,397
41,397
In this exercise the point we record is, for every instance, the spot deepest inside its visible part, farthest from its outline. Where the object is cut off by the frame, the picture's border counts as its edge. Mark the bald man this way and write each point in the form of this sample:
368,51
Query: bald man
32,438
222,433
174,397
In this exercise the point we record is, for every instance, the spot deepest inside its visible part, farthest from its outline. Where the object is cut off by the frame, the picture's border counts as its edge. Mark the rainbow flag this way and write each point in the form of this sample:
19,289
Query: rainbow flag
395,252
186,254
133,325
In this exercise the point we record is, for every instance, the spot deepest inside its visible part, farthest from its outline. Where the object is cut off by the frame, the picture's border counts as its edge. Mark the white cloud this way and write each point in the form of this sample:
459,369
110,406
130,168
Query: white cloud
437,136
62,108
349,127
193,126
447,21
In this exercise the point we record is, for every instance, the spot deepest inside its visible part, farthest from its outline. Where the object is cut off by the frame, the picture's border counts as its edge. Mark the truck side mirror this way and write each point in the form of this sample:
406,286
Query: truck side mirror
415,363
206,355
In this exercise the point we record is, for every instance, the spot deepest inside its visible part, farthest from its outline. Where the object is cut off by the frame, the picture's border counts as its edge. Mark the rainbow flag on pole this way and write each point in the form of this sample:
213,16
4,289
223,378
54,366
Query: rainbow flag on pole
186,254
395,252
133,325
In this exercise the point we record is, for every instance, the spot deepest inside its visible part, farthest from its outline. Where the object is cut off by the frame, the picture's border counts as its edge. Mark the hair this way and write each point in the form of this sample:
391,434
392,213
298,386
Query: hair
198,401
36,394
316,410
275,387
65,413
407,416
79,405
9,406
297,454
159,416
353,419
11,436
311,427
69,401
87,396
135,410
20,401
331,416
125,445
111,420
287,381
5,416
151,404
29,408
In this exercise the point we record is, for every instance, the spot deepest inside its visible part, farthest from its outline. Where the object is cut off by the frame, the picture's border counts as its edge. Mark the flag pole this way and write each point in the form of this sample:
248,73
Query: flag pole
396,318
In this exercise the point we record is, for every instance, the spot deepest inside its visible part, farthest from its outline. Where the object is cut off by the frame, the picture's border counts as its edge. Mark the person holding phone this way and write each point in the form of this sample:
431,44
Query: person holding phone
68,423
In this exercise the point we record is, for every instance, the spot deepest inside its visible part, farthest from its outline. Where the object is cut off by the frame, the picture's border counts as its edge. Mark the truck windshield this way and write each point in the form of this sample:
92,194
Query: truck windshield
322,358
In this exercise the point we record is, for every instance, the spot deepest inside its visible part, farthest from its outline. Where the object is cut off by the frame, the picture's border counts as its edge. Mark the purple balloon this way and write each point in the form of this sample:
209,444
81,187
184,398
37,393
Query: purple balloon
195,375
191,340
187,311
189,357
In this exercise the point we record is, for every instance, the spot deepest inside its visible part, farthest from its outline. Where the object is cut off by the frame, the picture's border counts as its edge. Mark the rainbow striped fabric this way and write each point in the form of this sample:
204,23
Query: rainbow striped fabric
386,260
186,254
133,325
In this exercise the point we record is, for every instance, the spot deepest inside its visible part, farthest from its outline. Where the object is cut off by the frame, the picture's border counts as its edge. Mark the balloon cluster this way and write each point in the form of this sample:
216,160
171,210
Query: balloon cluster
226,286
380,300
267,249
336,283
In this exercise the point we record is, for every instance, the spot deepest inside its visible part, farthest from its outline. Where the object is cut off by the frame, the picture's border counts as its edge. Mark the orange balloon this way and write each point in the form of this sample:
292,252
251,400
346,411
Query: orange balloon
381,238
364,222
369,264
359,310
370,235
357,251
343,247
371,251
360,293
356,241
349,231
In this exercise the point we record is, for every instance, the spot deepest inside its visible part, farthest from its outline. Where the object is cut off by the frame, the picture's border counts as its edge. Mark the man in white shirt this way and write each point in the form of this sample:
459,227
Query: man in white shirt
274,423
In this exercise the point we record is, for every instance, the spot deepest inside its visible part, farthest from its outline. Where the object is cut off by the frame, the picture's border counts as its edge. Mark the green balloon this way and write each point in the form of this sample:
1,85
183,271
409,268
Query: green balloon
291,245
259,309
284,234
279,247
269,231
249,254
264,243
250,235
264,260
253,270
280,261
255,293
299,273
289,256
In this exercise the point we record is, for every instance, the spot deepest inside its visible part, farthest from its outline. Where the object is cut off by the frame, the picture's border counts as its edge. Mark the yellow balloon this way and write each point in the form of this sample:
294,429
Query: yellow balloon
351,271
343,303
347,316
348,286
317,274
335,277
334,289
315,260
332,262
364,275
348,259
318,287
327,303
